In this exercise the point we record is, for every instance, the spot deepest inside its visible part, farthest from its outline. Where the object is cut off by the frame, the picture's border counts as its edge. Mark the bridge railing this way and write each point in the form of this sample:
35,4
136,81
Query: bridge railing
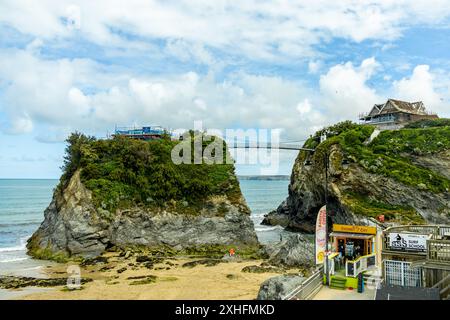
308,288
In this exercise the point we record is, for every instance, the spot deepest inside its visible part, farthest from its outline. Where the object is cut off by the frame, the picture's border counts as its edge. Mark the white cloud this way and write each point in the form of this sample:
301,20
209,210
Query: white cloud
345,91
268,30
424,85
419,86
20,124
68,95
304,106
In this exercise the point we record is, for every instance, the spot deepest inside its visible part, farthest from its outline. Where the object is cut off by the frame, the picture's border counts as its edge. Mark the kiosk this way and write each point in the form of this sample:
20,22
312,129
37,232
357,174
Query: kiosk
353,242
354,252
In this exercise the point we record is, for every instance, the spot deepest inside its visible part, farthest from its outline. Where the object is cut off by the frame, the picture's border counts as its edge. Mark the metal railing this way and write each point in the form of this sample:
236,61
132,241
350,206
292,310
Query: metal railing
308,288
355,267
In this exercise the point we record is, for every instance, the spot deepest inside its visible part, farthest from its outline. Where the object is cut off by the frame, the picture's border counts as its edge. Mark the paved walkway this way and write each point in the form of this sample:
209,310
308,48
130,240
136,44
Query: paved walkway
326,293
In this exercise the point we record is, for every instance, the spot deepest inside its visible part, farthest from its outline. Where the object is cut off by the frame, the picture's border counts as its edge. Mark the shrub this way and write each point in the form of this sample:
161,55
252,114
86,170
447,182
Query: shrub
122,171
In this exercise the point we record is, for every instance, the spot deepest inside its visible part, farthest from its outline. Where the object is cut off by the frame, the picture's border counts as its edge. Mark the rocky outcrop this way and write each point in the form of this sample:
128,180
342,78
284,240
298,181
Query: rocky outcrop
278,287
354,190
74,226
295,251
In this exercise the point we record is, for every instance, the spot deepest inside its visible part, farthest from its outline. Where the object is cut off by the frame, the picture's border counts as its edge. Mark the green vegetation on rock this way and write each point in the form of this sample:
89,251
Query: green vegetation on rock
361,205
122,173
387,153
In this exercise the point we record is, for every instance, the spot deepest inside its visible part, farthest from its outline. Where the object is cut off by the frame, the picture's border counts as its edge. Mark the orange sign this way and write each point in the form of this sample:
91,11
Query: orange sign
354,229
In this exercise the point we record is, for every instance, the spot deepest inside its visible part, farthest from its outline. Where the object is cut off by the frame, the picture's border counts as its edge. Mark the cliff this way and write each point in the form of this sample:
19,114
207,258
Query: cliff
128,193
401,174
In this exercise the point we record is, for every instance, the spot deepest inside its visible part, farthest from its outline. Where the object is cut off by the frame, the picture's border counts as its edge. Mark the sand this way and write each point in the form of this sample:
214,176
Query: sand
199,282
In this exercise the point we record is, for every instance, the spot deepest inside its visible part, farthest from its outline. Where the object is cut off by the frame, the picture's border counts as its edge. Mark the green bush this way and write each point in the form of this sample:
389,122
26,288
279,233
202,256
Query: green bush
121,172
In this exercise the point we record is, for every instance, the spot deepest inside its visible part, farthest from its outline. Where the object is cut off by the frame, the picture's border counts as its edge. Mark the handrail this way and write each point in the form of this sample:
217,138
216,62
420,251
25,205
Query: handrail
362,266
318,274
359,258
441,281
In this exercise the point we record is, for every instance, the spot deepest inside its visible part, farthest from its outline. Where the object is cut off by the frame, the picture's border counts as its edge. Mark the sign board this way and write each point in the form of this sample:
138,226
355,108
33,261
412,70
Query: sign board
354,229
408,242
321,235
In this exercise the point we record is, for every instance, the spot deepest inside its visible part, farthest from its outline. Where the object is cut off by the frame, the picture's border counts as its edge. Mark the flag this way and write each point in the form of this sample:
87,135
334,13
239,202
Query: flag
321,234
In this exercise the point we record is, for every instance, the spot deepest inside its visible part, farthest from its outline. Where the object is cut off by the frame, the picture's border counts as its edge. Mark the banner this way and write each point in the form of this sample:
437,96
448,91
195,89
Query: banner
408,242
321,234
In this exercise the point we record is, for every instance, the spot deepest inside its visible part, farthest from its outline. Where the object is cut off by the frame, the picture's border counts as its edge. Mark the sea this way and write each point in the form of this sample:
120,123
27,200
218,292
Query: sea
22,205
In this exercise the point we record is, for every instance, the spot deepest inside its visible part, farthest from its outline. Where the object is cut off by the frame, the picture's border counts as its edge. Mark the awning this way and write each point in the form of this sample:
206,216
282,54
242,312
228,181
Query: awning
352,235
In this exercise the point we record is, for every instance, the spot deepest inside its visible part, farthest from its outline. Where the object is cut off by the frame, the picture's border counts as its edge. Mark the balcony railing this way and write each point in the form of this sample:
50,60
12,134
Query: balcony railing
438,250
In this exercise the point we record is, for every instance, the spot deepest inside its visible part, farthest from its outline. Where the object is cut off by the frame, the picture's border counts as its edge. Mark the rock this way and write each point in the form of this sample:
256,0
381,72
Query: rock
145,280
294,251
143,259
151,259
351,190
14,282
94,261
262,269
106,268
205,262
121,270
276,288
74,226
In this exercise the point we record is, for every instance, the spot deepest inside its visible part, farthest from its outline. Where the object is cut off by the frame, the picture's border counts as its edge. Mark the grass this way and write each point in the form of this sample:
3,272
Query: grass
389,152
46,253
364,206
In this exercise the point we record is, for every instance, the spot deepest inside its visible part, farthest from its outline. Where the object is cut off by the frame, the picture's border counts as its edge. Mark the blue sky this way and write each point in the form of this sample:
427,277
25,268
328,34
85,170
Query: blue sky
297,66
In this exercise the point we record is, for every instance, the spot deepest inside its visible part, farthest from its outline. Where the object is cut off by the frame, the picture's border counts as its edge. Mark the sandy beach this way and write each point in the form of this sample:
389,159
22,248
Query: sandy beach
168,280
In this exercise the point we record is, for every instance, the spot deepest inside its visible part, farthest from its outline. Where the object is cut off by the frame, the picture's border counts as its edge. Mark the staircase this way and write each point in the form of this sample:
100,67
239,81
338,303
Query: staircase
372,279
338,283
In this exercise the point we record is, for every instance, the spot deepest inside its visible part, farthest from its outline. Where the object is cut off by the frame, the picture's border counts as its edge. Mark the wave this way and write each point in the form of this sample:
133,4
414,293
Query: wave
20,224
267,228
21,247
15,248
14,260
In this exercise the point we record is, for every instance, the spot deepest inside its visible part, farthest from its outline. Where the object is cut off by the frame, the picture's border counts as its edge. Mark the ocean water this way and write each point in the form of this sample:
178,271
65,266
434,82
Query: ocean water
22,205
263,196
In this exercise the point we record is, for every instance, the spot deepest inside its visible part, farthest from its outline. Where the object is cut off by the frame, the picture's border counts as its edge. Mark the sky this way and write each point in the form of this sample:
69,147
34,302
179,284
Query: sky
296,66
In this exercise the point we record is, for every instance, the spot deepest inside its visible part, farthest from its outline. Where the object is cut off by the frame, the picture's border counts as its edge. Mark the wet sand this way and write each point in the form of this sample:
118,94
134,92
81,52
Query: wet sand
224,281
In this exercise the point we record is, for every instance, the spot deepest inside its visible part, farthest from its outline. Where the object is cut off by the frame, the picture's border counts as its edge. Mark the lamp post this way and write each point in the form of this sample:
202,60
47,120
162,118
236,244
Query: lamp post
326,162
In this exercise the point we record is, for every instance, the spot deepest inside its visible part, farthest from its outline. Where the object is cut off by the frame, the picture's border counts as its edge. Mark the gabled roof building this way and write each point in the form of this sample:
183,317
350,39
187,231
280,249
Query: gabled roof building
397,113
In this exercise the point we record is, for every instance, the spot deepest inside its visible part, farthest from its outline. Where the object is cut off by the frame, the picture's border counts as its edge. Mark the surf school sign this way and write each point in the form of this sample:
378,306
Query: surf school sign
408,242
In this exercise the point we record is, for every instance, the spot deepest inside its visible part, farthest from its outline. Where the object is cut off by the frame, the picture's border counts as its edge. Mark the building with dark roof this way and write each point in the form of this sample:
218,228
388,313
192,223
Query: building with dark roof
396,113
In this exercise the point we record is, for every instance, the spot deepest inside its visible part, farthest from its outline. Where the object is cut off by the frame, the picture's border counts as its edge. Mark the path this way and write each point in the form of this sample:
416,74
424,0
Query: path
326,293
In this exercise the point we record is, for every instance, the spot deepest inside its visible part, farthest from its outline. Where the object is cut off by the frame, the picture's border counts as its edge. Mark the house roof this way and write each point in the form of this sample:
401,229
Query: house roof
395,106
